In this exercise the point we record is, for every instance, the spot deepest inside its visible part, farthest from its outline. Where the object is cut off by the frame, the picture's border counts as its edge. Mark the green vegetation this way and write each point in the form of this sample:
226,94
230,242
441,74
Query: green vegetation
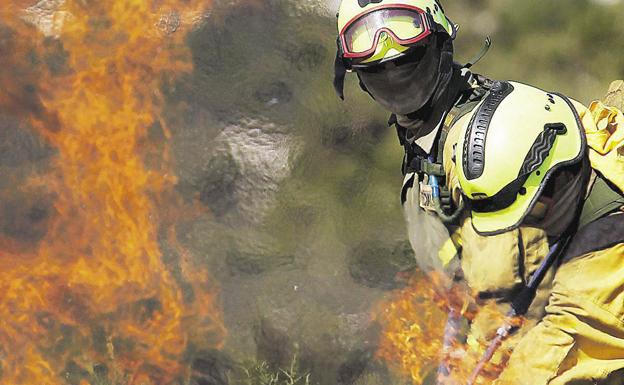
571,46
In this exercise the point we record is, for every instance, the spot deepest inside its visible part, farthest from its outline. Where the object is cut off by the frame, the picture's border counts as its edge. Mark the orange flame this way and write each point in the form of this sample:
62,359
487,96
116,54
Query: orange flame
418,341
96,290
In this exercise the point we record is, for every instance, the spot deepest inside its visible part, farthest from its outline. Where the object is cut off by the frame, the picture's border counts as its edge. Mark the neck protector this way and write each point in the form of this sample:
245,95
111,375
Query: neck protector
428,118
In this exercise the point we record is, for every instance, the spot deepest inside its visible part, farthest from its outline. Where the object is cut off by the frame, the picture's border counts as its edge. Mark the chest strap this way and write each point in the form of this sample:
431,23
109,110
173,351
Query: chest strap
421,165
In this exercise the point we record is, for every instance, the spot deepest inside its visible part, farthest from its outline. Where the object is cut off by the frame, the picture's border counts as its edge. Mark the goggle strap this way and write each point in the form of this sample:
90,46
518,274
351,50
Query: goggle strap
431,24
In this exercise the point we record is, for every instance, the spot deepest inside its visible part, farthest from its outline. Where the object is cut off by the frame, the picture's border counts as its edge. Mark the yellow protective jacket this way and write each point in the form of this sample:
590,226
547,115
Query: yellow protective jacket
578,314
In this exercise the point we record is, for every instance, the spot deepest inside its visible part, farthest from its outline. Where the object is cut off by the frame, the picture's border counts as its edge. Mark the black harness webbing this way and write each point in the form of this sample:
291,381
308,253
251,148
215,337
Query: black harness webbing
416,160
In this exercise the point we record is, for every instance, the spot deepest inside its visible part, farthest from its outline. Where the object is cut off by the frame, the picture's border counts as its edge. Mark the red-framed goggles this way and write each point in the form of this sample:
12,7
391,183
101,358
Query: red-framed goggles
405,24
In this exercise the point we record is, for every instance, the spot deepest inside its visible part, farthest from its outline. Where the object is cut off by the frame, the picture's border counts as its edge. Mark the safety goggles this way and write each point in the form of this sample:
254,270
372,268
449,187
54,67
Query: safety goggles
405,24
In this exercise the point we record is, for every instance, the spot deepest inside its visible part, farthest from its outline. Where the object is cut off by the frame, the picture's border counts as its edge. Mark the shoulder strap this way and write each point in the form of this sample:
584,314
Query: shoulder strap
451,118
466,103
457,112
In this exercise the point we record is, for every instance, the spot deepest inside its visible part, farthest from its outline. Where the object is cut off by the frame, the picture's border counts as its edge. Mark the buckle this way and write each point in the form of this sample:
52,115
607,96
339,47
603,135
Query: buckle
421,165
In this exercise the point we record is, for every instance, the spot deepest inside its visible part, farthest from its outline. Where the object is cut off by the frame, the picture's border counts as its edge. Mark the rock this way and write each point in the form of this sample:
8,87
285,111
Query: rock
47,16
249,161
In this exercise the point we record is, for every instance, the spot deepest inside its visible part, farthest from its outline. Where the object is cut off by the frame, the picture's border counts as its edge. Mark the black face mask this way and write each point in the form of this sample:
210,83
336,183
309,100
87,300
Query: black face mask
406,84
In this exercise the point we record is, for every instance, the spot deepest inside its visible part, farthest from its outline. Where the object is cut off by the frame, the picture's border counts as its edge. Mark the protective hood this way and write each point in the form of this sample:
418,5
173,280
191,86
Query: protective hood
421,127
406,84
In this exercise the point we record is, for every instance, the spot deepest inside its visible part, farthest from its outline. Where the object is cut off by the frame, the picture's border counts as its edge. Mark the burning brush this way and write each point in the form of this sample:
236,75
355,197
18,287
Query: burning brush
93,299
413,337
438,336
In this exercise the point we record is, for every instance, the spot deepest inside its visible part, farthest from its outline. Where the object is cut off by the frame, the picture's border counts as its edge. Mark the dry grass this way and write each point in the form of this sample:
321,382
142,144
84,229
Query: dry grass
260,373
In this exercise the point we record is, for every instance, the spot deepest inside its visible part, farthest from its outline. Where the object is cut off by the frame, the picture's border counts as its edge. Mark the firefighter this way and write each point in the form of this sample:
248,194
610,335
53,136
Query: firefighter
517,190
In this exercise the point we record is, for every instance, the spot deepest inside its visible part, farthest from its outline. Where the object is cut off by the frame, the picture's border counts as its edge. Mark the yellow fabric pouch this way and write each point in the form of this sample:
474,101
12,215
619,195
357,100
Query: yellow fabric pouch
604,128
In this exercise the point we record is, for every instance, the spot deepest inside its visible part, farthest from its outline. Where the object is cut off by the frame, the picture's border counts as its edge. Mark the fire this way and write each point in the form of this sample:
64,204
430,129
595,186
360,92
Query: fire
93,298
436,333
